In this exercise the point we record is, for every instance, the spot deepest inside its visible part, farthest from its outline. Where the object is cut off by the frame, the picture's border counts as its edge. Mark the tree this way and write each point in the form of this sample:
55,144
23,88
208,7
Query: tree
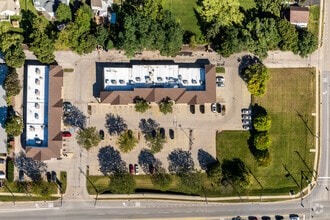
217,13
166,106
42,45
63,13
12,83
127,141
101,35
262,122
271,6
141,105
289,36
307,42
161,180
262,140
122,183
191,182
88,138
155,141
14,125
257,76
78,35
115,124
15,56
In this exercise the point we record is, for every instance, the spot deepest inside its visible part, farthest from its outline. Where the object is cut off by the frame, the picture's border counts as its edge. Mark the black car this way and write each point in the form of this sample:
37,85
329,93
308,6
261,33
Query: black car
202,109
49,176
171,133
218,107
54,177
21,175
101,132
192,109
162,132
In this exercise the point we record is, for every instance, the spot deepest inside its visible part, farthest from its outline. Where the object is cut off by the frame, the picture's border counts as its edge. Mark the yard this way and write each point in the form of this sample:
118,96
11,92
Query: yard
290,101
184,10
314,18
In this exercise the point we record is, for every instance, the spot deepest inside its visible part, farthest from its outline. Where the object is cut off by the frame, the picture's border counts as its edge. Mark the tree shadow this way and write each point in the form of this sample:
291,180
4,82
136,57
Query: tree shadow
205,159
148,127
146,159
115,124
187,36
246,61
27,24
75,118
110,160
258,110
235,171
180,161
32,168
3,115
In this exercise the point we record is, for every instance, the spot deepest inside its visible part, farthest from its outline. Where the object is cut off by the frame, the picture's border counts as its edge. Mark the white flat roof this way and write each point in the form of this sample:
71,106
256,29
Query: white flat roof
36,104
121,76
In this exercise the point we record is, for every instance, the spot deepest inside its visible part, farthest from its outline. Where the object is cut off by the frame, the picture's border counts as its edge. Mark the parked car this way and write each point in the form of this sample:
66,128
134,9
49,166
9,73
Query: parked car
162,132
246,127
246,117
220,84
151,169
54,177
21,175
171,133
265,218
218,107
246,111
67,107
49,177
237,218
192,109
2,175
213,107
131,169
252,218
2,160
246,122
66,134
101,132
136,169
202,109
220,79
294,217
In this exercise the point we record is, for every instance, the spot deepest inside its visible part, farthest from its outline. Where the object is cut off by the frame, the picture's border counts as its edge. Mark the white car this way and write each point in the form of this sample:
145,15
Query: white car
220,79
2,175
246,117
246,127
294,217
214,108
246,122
246,111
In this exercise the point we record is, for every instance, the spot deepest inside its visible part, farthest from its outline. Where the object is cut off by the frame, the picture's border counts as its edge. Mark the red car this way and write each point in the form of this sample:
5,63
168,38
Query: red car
131,169
66,134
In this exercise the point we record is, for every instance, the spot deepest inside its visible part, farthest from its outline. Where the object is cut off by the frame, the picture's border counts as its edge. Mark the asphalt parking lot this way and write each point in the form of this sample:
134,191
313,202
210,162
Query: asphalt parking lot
78,89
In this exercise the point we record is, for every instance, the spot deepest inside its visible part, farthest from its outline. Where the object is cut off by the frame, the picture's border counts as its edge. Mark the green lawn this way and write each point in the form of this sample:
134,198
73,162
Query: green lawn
184,10
314,18
290,92
63,178
247,4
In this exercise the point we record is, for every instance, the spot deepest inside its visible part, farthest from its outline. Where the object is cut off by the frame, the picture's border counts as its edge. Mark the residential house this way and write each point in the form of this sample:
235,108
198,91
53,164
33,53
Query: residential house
8,8
48,7
299,16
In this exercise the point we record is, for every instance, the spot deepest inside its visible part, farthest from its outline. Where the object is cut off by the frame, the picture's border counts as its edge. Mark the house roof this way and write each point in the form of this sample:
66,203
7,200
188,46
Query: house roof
299,14
179,95
9,7
55,103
